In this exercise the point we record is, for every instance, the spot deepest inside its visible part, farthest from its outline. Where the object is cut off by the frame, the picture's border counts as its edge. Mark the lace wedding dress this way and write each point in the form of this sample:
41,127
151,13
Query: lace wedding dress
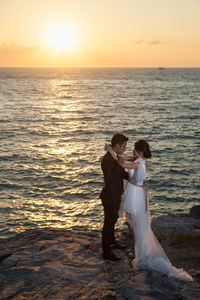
148,252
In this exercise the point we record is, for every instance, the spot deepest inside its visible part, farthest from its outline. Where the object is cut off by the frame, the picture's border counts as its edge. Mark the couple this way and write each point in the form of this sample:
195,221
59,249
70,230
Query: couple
148,252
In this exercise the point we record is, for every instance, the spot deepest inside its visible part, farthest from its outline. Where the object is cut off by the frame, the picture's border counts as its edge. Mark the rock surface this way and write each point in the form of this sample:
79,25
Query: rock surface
59,264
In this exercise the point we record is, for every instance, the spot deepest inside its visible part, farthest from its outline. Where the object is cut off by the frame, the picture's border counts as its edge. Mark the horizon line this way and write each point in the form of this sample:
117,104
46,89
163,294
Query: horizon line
95,67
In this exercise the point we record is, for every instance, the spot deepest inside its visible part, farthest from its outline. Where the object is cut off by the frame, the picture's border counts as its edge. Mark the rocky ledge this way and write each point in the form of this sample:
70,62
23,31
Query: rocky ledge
58,264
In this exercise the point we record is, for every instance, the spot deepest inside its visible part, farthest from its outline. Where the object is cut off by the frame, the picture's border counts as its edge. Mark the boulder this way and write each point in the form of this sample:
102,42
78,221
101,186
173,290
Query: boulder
195,211
169,228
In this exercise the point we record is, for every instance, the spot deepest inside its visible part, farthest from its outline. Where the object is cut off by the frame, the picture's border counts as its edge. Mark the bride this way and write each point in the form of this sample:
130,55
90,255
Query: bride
148,252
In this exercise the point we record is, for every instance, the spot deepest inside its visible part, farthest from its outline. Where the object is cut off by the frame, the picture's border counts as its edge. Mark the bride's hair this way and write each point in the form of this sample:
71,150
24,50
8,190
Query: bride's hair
143,147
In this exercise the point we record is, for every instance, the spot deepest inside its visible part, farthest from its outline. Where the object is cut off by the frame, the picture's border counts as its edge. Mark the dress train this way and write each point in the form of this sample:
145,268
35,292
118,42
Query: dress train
149,254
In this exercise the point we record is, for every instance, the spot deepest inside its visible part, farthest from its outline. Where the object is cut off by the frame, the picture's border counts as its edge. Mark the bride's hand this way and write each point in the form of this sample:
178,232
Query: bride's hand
108,148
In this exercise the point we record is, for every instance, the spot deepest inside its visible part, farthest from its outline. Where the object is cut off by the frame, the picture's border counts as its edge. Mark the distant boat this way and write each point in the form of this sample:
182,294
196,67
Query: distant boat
161,68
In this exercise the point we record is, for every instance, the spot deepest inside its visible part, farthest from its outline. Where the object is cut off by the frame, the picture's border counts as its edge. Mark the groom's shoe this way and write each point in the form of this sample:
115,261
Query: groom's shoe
116,245
111,256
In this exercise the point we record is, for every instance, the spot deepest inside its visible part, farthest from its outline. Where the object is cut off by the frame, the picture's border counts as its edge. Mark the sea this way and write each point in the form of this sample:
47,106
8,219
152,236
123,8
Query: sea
55,122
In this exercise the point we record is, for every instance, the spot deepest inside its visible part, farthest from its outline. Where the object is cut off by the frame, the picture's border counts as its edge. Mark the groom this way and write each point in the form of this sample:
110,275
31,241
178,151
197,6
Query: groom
111,194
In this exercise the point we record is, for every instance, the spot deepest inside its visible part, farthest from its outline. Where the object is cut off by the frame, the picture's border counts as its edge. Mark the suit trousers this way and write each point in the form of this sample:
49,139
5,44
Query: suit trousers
108,237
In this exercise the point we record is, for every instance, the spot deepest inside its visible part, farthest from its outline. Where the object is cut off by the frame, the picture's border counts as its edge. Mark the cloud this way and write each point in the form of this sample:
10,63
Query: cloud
14,49
153,42
13,54
139,41
23,55
156,42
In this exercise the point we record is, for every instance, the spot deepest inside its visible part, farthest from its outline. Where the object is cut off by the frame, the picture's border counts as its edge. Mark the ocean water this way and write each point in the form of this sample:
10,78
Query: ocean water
53,127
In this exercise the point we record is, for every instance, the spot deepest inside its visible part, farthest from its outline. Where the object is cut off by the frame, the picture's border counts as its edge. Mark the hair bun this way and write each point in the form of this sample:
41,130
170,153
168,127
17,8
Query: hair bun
143,147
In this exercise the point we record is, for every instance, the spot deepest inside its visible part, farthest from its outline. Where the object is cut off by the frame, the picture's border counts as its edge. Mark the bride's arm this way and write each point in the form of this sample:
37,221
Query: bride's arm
133,165
129,166
109,149
126,157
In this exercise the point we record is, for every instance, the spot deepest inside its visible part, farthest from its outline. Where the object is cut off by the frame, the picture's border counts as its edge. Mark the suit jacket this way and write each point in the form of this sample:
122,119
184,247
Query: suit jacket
113,182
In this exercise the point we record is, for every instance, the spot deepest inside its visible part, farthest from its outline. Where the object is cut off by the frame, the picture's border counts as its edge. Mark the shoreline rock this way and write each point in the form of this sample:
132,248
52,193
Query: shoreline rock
50,263
169,228
195,211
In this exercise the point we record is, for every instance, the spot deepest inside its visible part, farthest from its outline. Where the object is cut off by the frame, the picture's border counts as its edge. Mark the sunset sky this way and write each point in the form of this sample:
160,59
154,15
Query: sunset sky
100,33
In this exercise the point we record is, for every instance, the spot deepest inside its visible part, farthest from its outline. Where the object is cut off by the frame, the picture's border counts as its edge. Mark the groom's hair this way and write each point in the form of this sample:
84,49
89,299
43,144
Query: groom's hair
118,138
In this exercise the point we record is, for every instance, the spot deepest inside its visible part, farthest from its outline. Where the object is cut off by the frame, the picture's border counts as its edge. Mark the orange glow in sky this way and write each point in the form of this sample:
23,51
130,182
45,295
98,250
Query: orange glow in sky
106,33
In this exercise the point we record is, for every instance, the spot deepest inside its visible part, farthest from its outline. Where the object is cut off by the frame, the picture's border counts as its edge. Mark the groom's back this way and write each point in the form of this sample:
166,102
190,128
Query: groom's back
107,165
113,178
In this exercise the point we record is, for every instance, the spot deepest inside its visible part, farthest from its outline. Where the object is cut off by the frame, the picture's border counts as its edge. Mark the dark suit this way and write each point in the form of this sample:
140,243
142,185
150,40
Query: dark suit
111,197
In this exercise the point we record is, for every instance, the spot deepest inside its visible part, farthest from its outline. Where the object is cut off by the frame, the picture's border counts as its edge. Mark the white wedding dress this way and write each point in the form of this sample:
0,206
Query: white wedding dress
148,252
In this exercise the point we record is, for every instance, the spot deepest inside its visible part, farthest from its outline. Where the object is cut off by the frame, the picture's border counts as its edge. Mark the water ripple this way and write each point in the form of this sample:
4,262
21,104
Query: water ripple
53,132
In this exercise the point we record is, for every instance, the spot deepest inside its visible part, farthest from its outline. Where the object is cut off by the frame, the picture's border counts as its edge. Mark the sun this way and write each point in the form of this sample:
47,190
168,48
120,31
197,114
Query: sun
62,37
